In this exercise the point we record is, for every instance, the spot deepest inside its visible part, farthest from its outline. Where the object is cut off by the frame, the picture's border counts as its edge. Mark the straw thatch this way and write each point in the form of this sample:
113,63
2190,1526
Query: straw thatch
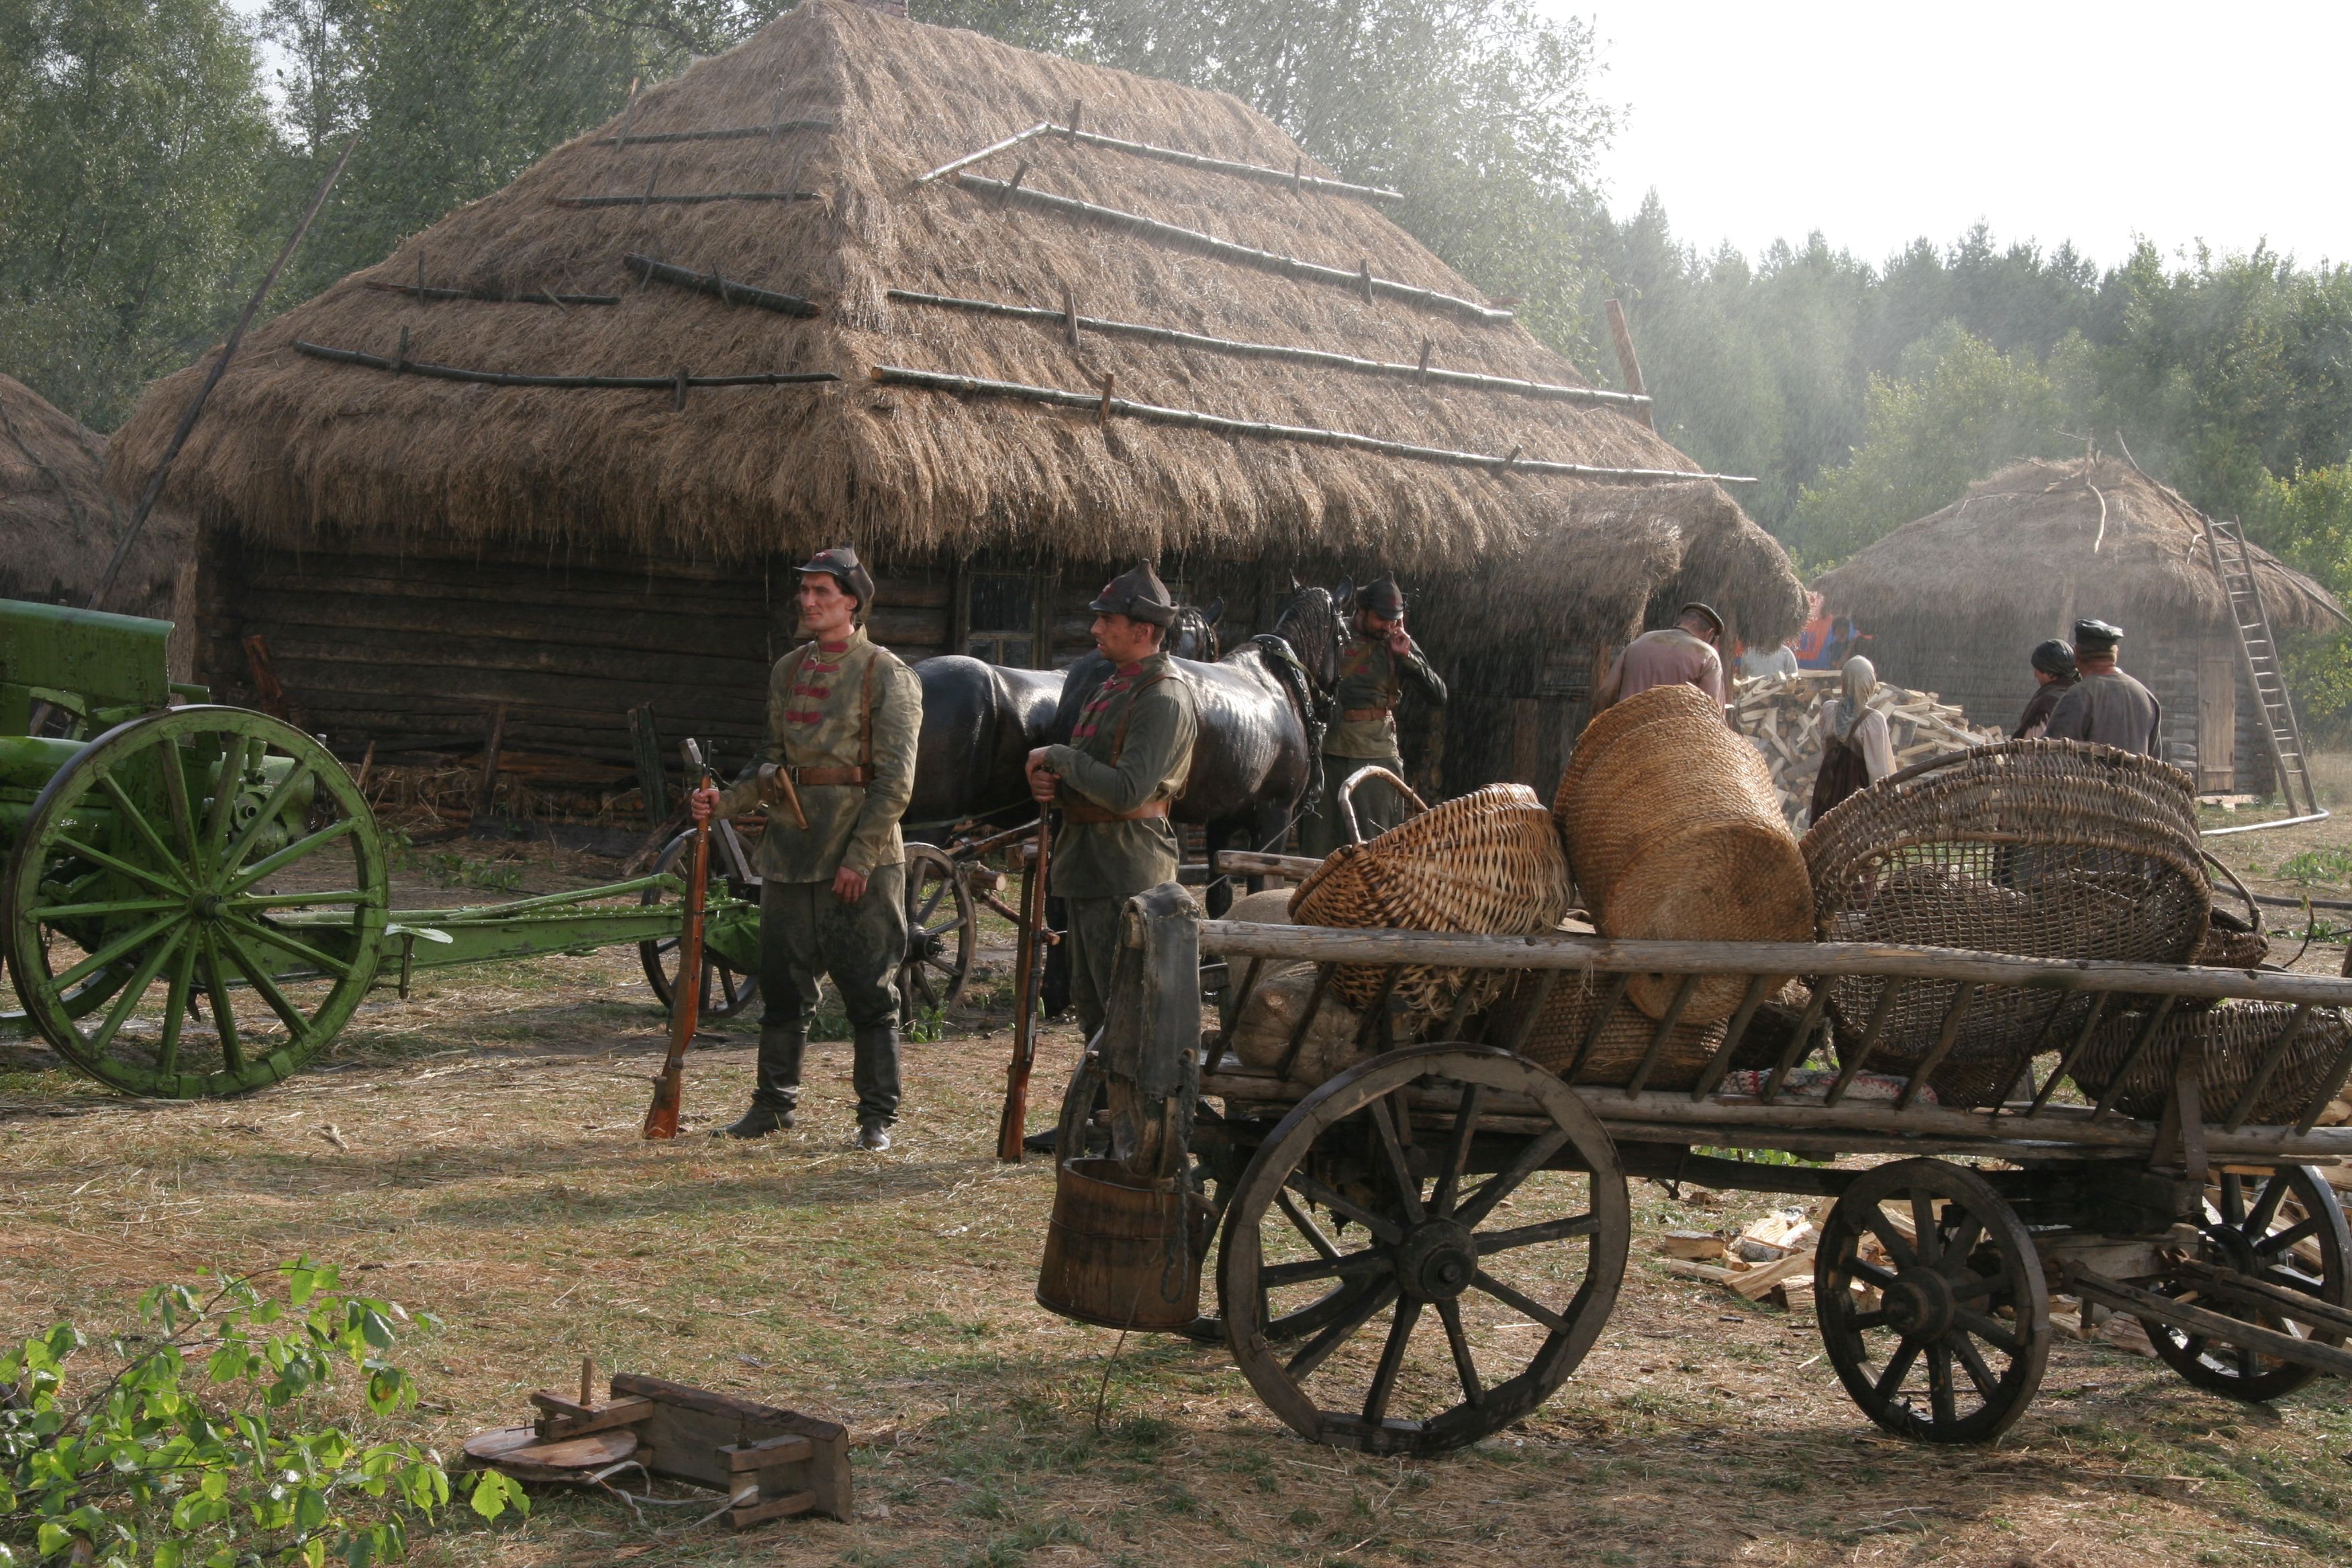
58,525
294,448
2043,542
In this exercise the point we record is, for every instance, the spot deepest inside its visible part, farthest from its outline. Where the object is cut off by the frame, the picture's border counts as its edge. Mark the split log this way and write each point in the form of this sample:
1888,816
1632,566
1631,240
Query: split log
712,283
513,378
1064,320
1227,250
1192,419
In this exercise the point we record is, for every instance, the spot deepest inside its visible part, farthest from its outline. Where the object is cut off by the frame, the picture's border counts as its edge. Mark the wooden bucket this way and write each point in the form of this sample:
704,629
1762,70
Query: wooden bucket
1674,831
1119,1255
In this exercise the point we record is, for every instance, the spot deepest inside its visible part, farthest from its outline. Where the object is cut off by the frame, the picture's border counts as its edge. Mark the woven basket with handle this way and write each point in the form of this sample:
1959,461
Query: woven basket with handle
2237,1037
2041,849
1487,861
1673,830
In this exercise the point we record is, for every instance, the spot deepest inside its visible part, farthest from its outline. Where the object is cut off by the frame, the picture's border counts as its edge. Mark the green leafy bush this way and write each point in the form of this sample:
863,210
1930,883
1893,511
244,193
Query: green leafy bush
198,1438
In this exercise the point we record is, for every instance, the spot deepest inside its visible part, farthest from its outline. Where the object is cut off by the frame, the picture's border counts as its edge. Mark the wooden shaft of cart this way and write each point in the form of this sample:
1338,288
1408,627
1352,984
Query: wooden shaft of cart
685,998
1029,959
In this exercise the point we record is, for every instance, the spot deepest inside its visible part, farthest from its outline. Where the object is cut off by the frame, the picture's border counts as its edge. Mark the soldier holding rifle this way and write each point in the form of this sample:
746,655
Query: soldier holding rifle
839,768
1378,662
1126,761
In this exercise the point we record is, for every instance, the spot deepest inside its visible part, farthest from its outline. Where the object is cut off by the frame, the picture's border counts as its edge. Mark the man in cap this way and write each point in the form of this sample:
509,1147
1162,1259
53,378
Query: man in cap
1375,666
1682,653
1126,763
2054,675
2105,705
843,717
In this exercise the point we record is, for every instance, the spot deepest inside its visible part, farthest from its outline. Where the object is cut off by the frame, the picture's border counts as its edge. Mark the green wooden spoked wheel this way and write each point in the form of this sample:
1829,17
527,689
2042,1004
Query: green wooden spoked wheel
196,903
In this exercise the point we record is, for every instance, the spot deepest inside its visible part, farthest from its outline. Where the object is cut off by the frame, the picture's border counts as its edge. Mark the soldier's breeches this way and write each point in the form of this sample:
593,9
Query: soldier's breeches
1093,937
807,935
1378,806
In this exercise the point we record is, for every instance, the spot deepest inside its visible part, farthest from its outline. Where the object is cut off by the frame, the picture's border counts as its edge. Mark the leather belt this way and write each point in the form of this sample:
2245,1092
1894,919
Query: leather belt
1358,715
1089,814
820,776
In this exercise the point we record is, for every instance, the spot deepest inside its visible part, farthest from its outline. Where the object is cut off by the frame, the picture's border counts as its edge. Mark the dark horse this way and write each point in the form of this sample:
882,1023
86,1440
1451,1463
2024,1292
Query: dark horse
982,720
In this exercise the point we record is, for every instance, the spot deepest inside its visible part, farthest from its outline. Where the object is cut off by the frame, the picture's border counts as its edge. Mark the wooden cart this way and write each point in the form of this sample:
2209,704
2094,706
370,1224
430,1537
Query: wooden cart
1418,1251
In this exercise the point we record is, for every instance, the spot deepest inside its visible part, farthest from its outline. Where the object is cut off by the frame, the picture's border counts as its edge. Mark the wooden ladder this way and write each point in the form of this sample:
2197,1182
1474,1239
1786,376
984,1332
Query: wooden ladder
2232,561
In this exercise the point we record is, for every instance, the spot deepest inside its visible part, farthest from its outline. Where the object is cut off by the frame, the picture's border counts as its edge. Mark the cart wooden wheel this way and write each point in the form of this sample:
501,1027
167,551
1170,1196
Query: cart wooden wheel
186,863
942,934
2287,1228
1951,1350
1413,1234
726,991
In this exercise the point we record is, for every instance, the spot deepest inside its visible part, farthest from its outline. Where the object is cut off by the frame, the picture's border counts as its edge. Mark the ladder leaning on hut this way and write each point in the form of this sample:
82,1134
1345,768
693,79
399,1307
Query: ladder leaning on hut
2233,564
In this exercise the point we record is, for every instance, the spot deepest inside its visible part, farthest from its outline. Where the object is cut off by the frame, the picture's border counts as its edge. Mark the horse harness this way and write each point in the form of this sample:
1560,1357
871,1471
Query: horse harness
1086,812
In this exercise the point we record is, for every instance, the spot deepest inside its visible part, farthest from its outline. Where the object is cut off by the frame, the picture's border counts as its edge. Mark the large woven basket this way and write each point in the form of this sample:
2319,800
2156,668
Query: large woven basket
1487,861
2237,1036
1557,1034
1673,830
2042,849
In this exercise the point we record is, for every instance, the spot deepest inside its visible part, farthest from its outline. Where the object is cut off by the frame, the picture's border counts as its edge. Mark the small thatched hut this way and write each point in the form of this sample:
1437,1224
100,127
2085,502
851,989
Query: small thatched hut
58,526
417,550
1954,603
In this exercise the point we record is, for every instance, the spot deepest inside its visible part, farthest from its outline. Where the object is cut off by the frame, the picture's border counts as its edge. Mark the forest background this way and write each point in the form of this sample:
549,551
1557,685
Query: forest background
154,152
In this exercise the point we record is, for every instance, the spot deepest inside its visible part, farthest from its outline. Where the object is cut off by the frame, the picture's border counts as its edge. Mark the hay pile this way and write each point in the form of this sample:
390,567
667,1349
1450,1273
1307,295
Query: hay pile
1781,715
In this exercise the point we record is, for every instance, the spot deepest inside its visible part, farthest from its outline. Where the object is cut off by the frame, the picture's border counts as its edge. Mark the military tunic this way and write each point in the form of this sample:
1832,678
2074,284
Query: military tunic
843,719
1373,679
2110,708
1127,756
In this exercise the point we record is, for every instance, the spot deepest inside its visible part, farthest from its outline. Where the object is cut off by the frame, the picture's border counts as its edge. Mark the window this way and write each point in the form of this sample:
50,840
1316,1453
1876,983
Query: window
1000,617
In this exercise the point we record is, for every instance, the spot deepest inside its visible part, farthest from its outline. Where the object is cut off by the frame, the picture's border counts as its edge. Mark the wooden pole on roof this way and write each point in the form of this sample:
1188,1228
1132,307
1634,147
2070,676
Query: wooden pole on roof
1628,362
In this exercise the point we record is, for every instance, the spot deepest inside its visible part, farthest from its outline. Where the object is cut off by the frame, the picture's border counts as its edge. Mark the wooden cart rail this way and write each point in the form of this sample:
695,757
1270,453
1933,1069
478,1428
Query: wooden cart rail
1767,965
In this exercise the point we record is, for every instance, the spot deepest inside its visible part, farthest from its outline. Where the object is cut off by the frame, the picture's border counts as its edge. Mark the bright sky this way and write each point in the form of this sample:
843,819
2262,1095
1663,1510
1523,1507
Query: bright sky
1879,123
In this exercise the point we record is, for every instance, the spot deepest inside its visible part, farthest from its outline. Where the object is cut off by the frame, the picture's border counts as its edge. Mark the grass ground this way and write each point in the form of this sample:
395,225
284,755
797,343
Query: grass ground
474,1152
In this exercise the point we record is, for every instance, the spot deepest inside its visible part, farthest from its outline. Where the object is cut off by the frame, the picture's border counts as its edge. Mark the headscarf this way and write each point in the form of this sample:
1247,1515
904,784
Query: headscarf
2056,657
1861,680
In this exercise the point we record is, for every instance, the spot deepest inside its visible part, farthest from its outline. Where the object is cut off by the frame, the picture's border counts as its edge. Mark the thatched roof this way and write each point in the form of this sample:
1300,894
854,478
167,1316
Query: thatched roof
58,525
2095,534
294,443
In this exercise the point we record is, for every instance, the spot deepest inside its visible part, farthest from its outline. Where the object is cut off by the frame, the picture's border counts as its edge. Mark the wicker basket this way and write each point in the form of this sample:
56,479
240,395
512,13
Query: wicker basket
1487,861
2042,849
1673,830
1558,1034
2228,945
2237,1036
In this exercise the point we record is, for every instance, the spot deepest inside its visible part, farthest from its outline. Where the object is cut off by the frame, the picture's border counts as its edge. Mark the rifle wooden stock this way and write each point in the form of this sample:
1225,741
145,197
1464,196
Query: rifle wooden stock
685,995
1030,963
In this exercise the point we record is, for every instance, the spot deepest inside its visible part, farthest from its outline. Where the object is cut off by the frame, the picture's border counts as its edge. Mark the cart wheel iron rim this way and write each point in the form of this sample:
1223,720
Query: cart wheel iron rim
1429,1248
2260,1236
726,991
942,933
135,871
1933,1358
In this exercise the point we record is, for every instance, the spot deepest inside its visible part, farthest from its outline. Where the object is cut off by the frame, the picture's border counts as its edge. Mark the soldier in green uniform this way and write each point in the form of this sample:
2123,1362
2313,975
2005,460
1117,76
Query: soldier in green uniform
1375,666
1127,761
843,716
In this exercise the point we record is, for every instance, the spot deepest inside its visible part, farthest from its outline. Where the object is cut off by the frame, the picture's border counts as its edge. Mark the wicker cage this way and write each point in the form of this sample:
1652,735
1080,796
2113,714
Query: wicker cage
1673,830
2041,849
2238,1036
1555,1038
1487,861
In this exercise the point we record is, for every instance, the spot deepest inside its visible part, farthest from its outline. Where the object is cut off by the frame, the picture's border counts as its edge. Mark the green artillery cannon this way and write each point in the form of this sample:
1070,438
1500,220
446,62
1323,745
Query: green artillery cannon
196,897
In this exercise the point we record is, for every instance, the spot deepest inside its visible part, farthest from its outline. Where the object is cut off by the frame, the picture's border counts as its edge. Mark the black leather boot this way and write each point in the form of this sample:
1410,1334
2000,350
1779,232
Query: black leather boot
779,1086
757,1123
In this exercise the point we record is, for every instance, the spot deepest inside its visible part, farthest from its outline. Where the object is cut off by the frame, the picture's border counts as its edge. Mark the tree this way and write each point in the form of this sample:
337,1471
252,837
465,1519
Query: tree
135,161
1961,410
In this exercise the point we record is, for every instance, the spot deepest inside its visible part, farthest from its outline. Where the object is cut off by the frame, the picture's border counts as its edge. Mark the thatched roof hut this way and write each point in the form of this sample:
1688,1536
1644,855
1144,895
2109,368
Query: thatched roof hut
762,215
1954,602
58,525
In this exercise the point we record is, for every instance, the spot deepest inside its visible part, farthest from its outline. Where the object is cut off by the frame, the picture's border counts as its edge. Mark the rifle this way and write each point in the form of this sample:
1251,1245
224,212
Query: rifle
1029,975
685,995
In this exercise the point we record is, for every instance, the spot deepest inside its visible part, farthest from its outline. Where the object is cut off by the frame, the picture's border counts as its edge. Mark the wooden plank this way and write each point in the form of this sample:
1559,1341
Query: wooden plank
568,1418
783,1507
2217,715
767,1453
688,1418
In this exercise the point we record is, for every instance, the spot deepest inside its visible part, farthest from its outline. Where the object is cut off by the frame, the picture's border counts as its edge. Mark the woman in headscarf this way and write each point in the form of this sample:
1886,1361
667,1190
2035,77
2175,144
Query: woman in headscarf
2054,673
1857,750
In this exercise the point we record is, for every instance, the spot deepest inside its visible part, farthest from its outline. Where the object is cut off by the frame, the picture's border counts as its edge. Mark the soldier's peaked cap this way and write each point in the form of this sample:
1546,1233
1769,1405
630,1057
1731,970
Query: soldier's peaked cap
1139,594
1382,597
2096,636
841,563
1706,612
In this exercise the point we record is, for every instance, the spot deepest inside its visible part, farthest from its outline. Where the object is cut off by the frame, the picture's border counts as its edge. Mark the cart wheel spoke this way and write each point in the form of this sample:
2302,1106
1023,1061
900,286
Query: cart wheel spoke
1962,1242
1458,1155
135,990
128,810
1898,1367
1316,1351
1896,1245
182,812
1505,1181
118,948
159,881
1466,1366
277,937
223,1016
1877,1319
1352,1265
1536,1235
1376,1400
1940,1396
1317,1192
1965,1351
2279,1241
1407,1186
1925,1229
1872,1272
1305,1226
176,1005
2233,1200
1513,1297
1988,1330
300,849
243,845
264,984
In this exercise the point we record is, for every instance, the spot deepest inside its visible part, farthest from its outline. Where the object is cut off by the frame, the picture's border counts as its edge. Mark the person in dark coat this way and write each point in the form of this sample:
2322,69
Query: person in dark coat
2105,705
2054,673
1378,662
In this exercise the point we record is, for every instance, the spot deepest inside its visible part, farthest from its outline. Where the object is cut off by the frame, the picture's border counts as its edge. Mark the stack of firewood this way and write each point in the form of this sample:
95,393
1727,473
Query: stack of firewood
1781,716
1770,1260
